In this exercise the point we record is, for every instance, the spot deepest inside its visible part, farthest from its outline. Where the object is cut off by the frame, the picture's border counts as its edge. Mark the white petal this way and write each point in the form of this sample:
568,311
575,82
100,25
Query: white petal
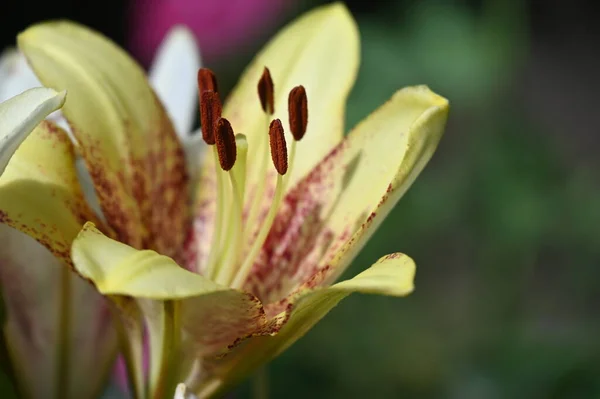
87,185
15,75
182,393
174,77
195,149
21,114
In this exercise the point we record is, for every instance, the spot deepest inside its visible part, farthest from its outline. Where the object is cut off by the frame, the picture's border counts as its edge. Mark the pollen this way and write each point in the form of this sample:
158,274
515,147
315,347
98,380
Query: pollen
278,147
298,112
226,147
266,92
207,81
210,112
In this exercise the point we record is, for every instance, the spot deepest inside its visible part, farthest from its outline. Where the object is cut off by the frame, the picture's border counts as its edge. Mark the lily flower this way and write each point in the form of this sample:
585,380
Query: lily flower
225,276
59,330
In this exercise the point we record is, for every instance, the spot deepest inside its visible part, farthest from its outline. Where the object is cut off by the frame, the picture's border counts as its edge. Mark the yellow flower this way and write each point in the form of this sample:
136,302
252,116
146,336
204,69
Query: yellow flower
228,275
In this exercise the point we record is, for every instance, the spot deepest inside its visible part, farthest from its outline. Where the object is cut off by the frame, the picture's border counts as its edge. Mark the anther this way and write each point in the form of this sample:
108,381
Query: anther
207,81
226,147
210,112
278,147
265,92
298,112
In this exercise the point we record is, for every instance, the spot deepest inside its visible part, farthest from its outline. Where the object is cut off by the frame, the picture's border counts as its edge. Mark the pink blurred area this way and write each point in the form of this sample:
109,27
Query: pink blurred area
120,370
221,26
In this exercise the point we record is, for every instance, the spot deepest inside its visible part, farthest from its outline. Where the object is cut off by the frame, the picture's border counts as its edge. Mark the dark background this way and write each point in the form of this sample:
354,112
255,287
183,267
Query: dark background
503,224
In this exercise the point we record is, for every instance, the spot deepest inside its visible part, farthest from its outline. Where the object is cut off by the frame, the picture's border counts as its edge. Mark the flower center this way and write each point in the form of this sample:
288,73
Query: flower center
228,263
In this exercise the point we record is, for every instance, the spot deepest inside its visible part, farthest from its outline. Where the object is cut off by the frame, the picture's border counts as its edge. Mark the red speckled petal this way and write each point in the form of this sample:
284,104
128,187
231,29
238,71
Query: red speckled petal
39,191
326,219
125,136
214,318
391,275
40,196
319,50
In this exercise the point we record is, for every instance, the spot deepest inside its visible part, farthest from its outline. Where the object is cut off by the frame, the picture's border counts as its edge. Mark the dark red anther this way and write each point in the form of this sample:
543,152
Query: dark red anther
278,147
210,112
298,112
207,81
265,92
226,148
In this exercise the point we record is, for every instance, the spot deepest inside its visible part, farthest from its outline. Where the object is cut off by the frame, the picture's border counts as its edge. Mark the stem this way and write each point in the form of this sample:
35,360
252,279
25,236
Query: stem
64,325
260,384
167,382
124,328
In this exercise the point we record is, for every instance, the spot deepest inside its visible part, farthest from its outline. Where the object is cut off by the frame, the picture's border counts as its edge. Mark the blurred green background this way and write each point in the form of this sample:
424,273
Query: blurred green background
503,223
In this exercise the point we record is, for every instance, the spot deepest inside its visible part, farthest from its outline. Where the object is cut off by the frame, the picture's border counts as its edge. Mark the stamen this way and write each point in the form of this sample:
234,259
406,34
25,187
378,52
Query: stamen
266,96
213,256
210,112
298,116
266,92
207,81
298,112
227,154
226,147
278,147
233,247
279,156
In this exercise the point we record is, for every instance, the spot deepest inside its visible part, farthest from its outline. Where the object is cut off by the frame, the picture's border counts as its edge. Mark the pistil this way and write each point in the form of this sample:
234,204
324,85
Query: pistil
266,94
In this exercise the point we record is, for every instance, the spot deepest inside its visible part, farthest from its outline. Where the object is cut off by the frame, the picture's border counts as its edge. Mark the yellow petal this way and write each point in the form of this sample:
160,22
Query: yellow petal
33,284
124,134
319,50
118,269
213,316
39,191
329,216
391,275
21,114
